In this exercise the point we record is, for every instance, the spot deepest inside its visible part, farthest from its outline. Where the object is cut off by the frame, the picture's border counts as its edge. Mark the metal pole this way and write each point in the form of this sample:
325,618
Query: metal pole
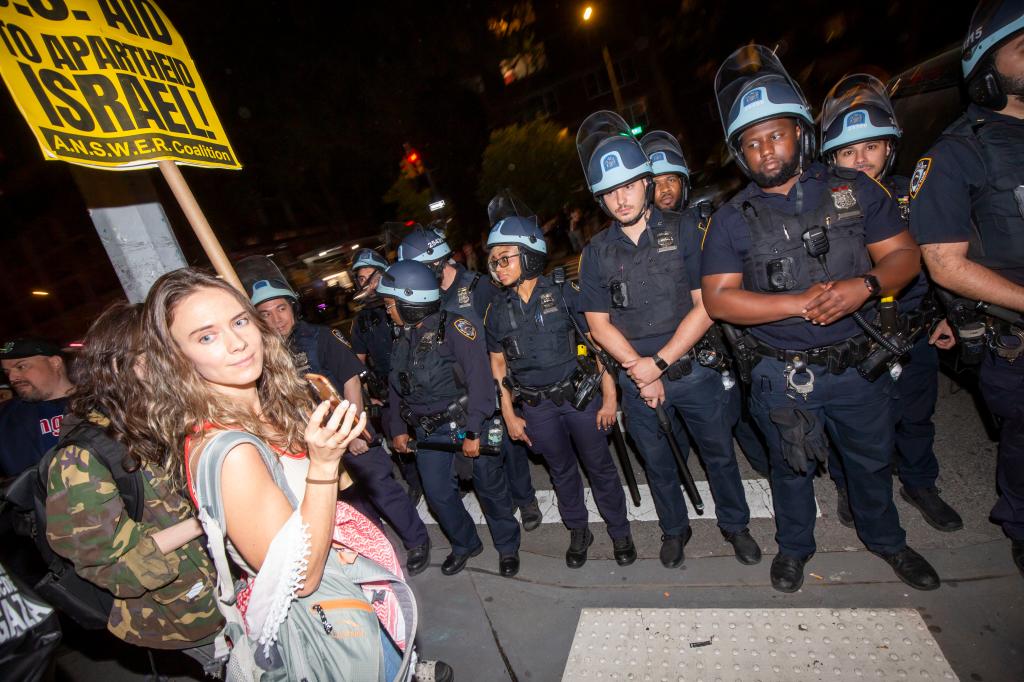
614,81
199,224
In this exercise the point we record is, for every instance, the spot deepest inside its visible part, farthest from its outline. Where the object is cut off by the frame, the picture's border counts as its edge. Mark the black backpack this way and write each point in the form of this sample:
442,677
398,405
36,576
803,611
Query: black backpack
88,604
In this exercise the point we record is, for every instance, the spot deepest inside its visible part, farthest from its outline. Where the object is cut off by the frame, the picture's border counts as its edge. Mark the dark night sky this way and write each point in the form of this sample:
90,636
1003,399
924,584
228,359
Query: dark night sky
317,98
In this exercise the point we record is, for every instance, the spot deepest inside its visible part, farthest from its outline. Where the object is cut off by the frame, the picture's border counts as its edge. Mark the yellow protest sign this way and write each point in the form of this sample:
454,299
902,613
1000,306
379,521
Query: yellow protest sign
108,84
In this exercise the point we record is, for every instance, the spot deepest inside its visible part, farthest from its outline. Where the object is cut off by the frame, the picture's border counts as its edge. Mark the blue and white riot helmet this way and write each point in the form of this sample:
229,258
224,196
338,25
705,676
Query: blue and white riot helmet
368,258
994,22
428,246
610,155
414,288
752,86
527,235
858,109
666,157
263,280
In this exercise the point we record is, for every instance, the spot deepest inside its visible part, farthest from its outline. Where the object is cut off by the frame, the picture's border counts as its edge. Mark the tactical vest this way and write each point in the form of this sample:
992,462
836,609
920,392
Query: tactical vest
656,295
426,372
304,344
997,208
778,261
458,300
531,347
376,326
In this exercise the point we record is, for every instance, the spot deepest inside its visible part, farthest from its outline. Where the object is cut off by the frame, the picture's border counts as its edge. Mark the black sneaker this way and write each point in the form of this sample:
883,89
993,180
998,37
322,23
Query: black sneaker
580,541
913,569
933,508
747,551
672,554
418,559
843,511
1017,552
531,516
787,572
624,550
433,671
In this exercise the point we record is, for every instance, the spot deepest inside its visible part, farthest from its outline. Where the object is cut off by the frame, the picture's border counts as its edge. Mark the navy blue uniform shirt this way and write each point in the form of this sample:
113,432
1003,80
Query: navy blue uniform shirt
728,239
27,431
595,296
940,199
910,297
472,305
372,337
333,356
464,341
535,319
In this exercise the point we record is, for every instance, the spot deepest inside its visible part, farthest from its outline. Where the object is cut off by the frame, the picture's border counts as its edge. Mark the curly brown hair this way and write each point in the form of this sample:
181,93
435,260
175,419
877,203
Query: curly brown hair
106,382
180,402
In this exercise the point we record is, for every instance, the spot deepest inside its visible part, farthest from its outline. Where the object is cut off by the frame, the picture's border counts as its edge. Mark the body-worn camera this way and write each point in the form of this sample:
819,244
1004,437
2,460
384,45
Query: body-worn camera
405,383
780,274
620,294
510,346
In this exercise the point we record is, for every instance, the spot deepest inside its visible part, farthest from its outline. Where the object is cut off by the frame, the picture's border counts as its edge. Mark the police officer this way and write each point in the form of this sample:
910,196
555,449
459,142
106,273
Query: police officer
372,338
325,351
639,280
786,257
967,199
533,346
441,386
468,294
859,130
671,193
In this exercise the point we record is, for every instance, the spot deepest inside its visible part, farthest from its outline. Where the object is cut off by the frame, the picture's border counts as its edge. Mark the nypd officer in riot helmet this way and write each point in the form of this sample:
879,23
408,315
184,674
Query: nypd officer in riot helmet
372,337
859,130
325,351
671,172
792,257
468,293
441,389
533,332
967,212
640,292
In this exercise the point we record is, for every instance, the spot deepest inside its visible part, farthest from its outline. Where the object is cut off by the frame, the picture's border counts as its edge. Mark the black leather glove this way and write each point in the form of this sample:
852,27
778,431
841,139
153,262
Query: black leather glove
803,438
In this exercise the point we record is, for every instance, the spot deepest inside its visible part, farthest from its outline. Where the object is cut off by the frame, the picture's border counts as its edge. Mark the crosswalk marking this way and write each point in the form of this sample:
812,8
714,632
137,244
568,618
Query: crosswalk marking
757,490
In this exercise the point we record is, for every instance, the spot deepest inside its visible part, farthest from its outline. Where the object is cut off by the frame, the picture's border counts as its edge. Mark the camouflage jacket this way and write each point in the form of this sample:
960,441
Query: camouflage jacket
161,601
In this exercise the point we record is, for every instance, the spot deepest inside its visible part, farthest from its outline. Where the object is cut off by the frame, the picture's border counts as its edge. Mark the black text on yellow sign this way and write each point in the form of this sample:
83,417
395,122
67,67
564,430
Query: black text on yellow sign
108,84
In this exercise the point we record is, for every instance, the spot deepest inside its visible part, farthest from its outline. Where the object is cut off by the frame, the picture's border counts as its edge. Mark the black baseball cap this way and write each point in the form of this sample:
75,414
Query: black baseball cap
26,348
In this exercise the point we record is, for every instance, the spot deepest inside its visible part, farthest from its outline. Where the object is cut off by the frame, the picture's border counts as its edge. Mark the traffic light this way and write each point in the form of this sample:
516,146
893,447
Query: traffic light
412,163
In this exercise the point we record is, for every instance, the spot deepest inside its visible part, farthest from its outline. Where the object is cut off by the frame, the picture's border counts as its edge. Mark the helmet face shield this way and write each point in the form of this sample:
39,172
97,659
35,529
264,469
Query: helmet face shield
857,109
263,280
505,204
609,154
993,22
665,153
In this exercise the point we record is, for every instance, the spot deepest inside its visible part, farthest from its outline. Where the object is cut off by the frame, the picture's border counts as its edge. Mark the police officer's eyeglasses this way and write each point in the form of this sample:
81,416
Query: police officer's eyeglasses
502,262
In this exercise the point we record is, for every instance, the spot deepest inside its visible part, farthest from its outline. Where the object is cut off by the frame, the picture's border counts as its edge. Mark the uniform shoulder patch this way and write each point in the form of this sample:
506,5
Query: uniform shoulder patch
465,327
341,337
575,285
919,176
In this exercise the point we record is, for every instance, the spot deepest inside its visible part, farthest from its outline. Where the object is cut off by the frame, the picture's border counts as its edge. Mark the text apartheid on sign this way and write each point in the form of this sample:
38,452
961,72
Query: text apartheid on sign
108,84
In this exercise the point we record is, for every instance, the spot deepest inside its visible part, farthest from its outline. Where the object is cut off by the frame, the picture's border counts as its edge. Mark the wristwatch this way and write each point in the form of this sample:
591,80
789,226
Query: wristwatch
871,282
471,435
662,365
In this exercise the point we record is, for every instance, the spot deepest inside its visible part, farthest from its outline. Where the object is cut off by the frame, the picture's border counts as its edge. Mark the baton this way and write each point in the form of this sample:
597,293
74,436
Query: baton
487,450
627,467
684,471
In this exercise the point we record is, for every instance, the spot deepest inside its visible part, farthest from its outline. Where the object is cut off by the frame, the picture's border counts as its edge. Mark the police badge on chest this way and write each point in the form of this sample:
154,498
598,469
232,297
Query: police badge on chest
464,300
547,303
665,240
843,198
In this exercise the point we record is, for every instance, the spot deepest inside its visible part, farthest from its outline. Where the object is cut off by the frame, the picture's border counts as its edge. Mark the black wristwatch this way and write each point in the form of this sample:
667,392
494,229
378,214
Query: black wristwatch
662,365
873,285
471,435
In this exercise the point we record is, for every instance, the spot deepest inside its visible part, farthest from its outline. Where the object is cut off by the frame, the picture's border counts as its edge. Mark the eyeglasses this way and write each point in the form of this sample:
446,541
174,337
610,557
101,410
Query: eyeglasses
501,262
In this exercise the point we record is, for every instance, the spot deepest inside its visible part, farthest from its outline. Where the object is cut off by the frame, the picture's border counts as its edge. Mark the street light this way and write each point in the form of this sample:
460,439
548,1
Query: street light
39,292
588,12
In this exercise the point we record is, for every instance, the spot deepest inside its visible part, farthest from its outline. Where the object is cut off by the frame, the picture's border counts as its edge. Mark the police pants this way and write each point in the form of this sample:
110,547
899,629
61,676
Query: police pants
1002,386
373,473
916,393
856,415
441,488
550,428
747,433
709,414
516,461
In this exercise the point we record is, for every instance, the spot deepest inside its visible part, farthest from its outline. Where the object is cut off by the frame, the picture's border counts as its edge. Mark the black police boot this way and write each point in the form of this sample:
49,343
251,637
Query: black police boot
745,547
933,508
913,569
418,559
580,541
531,515
843,511
433,671
508,565
788,572
672,548
1017,552
456,562
624,550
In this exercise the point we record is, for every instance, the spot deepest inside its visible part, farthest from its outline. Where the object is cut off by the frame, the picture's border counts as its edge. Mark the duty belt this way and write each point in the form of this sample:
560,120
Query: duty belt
456,412
558,392
836,358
